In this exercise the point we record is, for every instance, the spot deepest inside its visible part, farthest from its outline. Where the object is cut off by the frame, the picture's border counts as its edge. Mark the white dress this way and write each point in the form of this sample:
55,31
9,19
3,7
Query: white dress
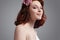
37,38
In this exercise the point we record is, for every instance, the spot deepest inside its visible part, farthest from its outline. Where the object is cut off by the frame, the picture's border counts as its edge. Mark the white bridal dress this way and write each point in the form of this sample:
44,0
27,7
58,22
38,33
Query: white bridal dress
37,38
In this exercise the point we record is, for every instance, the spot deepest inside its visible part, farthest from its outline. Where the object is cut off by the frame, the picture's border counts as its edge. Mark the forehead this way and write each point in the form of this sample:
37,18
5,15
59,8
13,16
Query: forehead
37,3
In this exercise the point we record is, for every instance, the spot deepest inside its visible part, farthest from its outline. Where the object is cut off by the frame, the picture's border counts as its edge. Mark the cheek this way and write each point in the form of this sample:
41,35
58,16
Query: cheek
34,11
42,12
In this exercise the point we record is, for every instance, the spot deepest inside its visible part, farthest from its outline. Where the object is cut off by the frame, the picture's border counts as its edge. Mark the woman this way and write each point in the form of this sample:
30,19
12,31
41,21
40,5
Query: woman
30,16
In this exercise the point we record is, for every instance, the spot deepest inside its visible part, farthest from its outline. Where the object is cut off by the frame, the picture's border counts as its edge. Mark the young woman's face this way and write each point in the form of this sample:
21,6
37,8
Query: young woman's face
36,10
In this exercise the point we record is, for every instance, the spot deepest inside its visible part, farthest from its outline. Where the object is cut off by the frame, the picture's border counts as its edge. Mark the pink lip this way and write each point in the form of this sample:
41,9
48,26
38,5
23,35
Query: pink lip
38,14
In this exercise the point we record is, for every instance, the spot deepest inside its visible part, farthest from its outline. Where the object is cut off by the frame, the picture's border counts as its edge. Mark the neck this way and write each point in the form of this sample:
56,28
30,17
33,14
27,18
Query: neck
31,23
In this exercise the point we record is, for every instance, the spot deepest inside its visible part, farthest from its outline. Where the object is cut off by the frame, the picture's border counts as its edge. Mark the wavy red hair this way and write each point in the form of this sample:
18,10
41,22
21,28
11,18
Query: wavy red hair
23,16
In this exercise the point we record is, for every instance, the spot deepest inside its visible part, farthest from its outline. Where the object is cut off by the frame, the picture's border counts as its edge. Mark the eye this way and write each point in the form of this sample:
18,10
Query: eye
34,7
41,8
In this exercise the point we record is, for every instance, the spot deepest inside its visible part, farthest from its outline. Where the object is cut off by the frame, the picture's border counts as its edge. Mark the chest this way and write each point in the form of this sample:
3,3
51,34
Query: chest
31,35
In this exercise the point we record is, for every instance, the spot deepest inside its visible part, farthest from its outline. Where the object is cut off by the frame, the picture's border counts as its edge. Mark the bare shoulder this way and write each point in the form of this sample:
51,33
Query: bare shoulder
20,33
20,28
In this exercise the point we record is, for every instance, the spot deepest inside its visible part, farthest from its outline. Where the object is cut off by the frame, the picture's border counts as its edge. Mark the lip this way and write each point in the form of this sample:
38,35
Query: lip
38,14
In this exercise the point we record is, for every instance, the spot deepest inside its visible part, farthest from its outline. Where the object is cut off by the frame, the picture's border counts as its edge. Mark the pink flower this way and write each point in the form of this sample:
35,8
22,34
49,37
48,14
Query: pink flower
27,2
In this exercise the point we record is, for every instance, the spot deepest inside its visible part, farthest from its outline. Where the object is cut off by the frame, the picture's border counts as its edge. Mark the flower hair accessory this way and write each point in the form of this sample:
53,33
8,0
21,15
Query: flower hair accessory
27,2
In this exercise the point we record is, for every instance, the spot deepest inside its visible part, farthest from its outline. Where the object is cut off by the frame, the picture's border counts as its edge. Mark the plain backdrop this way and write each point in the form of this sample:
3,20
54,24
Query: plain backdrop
49,31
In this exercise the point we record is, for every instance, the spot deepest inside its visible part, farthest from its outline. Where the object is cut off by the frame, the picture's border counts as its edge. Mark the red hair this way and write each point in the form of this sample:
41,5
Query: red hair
23,16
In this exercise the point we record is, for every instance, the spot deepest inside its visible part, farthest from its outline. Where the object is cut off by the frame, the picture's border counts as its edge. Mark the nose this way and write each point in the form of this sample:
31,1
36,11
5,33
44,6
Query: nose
39,10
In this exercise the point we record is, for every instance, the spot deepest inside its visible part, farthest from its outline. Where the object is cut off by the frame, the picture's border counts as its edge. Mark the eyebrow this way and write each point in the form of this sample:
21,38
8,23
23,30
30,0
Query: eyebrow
37,6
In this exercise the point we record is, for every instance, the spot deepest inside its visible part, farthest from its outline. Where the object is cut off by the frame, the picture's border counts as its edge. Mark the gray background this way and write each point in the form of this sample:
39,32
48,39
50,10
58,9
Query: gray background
9,10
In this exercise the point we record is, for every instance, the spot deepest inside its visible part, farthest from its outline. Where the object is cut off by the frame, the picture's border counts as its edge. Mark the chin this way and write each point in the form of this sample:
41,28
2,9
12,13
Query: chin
39,18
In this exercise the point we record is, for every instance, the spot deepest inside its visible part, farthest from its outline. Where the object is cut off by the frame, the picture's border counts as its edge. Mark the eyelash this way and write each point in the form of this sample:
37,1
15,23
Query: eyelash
35,8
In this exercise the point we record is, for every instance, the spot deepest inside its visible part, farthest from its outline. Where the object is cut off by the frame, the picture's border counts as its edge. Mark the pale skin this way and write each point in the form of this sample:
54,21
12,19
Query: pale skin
26,31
